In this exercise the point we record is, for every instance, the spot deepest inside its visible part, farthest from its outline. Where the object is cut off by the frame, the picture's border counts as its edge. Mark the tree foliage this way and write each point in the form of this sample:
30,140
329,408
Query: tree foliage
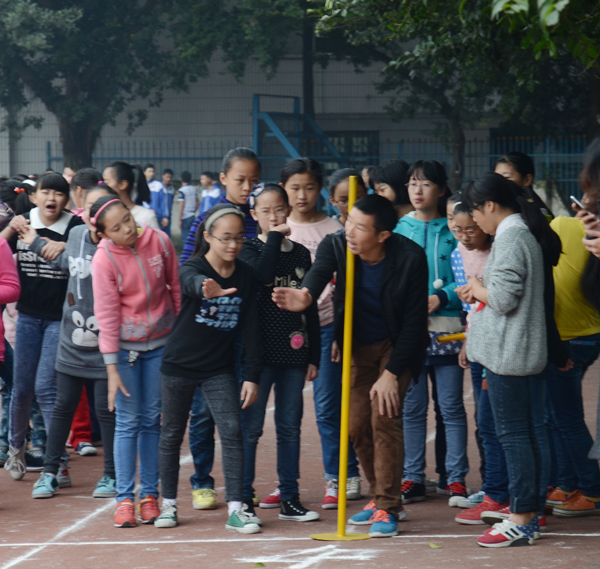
87,60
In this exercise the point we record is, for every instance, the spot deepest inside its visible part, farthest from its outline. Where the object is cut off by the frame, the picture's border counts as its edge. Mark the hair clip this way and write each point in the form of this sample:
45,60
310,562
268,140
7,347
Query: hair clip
19,190
258,188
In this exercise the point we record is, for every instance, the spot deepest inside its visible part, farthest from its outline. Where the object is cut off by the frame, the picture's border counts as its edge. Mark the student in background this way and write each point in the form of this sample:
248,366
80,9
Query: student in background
169,193
211,192
389,180
188,204
339,187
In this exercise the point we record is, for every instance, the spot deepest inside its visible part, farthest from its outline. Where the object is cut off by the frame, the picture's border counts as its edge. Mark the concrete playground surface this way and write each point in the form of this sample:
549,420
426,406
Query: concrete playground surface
73,530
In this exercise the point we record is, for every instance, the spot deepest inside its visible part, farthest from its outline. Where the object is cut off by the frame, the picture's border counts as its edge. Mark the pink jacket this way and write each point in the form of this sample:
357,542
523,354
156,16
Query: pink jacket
136,293
10,286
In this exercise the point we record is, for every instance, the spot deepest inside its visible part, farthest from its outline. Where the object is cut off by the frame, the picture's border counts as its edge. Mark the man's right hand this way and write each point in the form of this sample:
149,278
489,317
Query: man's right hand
291,299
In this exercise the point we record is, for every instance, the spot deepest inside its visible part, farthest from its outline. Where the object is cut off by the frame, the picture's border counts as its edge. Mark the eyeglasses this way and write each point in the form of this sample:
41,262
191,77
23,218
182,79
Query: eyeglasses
228,240
415,185
468,232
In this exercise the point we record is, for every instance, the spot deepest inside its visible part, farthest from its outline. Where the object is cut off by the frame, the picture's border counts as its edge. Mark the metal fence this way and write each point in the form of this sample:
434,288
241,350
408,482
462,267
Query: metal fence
557,160
195,156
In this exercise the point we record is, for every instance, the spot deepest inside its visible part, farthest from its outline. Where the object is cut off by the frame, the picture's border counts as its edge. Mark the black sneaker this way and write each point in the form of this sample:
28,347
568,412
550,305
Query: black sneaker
295,511
34,459
412,492
248,507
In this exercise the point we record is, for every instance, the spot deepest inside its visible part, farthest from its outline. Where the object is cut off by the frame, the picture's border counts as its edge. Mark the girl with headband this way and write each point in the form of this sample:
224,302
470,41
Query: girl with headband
218,299
78,357
136,300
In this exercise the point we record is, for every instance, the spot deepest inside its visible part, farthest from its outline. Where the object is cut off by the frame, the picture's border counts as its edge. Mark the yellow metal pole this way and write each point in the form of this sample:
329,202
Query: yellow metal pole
346,371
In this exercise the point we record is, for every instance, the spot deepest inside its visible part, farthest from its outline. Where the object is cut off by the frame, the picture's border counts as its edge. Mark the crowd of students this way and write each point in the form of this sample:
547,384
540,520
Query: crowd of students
256,301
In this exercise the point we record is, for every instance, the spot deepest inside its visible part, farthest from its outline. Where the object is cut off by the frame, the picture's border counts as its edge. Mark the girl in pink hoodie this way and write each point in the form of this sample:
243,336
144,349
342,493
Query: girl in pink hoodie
136,299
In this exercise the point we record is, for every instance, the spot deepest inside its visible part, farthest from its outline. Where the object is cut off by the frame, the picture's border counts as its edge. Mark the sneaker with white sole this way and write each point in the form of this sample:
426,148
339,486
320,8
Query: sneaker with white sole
248,505
293,510
86,449
412,492
330,499
472,501
105,488
45,487
204,499
384,525
34,459
273,500
16,463
472,516
63,478
240,521
507,534
492,517
353,488
365,516
167,517
458,492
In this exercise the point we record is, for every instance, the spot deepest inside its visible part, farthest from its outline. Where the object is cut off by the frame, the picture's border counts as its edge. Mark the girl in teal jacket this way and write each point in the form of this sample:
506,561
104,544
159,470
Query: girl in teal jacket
427,225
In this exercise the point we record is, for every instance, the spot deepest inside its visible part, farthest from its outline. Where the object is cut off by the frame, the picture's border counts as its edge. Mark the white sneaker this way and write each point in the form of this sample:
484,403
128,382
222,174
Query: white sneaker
16,462
168,517
63,478
353,488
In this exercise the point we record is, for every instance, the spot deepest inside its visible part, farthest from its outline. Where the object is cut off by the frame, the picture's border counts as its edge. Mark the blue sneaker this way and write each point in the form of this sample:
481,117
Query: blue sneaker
106,488
384,525
45,487
365,516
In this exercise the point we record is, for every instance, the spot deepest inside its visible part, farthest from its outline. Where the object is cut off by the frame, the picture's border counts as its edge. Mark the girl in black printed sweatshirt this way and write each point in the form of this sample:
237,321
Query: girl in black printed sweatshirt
218,299
292,347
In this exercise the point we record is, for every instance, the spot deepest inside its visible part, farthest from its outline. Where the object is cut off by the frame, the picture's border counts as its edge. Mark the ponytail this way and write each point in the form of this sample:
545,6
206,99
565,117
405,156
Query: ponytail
138,189
498,189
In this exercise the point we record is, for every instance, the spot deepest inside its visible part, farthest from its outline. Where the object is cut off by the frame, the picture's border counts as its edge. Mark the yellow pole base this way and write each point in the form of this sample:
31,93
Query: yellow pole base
336,537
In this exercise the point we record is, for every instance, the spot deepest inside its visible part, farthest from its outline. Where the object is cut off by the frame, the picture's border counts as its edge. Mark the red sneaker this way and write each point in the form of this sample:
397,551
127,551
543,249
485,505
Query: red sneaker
495,516
149,510
330,500
125,514
472,516
507,534
273,500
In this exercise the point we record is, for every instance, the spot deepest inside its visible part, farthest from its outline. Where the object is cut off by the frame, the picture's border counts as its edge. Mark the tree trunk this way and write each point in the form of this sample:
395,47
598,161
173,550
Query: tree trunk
308,83
593,129
78,141
458,153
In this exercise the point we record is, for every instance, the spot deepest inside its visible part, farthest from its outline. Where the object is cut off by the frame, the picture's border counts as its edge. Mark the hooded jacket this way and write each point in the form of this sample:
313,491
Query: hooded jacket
403,295
136,293
437,240
78,352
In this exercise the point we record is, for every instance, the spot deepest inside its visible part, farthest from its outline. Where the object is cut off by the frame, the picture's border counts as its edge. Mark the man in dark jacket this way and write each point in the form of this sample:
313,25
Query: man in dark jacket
389,342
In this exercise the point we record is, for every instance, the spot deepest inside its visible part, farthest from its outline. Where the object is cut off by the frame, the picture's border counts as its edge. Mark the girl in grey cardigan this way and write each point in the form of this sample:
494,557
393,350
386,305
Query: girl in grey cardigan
508,337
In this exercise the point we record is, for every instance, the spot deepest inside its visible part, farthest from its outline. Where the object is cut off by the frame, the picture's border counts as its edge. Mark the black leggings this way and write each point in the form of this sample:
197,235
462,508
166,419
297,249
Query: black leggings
68,394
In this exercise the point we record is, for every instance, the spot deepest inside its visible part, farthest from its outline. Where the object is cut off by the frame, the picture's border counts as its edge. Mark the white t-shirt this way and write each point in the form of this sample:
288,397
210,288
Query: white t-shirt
144,215
310,235
188,194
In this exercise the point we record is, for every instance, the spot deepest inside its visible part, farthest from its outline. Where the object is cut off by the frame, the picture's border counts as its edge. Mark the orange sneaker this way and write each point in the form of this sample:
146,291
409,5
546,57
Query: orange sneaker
577,505
125,514
149,509
557,496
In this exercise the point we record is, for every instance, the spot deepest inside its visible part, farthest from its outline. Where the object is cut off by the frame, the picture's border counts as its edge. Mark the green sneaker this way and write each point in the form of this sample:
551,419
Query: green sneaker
241,522
167,518
106,488
45,487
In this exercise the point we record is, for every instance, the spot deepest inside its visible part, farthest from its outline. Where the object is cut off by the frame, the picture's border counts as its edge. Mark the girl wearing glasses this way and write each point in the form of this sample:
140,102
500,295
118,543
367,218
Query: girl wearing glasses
427,225
219,299
292,347
136,299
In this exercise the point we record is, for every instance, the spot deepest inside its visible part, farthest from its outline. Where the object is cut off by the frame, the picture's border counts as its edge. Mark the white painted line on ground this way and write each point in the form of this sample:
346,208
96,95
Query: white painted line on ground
249,539
72,528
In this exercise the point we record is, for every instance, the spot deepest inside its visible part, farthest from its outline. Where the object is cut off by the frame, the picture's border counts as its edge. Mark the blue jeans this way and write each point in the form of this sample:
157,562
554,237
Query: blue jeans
566,408
495,484
185,227
33,373
477,380
513,409
137,429
327,388
537,385
289,383
449,383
